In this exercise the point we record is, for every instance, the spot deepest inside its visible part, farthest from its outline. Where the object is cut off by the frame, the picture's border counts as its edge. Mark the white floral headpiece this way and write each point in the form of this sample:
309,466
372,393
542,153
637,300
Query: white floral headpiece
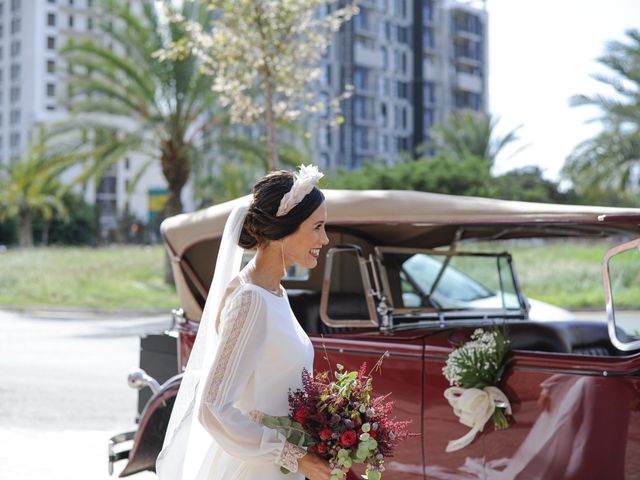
303,184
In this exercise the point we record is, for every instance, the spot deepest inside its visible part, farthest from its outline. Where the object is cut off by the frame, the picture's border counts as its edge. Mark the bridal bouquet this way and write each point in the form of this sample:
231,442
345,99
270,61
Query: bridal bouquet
474,370
339,419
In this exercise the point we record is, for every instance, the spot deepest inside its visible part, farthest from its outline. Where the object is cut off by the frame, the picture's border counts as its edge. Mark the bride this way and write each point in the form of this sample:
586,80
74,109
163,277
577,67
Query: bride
250,349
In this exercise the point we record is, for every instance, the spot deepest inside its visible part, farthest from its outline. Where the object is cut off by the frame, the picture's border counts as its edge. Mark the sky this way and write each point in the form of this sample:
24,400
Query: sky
541,52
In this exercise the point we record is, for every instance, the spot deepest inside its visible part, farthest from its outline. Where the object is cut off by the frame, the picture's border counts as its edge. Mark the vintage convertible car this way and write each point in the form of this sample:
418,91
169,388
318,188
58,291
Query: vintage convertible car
410,275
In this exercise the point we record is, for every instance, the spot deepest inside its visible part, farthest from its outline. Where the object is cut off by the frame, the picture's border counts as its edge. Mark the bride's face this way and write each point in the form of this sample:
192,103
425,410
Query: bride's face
303,246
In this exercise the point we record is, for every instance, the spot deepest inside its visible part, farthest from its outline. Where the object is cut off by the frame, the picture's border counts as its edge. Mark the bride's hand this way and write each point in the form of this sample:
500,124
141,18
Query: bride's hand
314,467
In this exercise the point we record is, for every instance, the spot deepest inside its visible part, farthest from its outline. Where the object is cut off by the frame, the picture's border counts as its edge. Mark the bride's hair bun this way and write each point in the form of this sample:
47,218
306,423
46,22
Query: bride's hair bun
261,223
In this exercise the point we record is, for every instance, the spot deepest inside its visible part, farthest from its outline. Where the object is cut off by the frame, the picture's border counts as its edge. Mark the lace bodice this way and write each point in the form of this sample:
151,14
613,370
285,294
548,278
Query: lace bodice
261,354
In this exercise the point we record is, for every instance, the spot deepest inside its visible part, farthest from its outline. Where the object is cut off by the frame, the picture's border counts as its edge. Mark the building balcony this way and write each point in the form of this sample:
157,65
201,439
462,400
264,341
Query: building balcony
469,83
367,57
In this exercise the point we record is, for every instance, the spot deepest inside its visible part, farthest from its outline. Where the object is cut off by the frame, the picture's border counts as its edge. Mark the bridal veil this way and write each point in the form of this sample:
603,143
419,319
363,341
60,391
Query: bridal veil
188,447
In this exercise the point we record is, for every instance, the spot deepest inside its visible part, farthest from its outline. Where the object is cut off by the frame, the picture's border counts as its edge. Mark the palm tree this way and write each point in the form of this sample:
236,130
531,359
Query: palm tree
135,102
30,184
610,160
468,132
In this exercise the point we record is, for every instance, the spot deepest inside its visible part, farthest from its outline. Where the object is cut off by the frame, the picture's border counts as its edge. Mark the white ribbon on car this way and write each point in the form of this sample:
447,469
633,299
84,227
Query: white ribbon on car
474,407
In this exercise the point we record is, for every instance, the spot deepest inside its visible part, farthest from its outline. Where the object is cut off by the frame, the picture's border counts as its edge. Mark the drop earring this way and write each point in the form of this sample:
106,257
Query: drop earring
284,267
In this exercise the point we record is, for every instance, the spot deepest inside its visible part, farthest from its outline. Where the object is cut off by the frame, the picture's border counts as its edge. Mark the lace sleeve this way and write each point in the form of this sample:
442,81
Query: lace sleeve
243,333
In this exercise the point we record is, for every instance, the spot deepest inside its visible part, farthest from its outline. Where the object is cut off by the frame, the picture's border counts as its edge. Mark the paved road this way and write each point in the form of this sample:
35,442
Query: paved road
63,392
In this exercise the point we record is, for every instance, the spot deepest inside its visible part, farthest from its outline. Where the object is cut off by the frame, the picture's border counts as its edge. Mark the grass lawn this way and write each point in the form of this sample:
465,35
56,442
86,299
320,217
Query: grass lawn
110,277
563,273
568,273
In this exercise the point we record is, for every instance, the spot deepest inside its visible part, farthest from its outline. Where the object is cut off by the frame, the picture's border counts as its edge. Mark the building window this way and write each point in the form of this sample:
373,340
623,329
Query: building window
323,99
51,107
383,114
51,90
360,78
429,93
326,74
383,86
402,34
427,11
70,23
401,89
403,144
15,25
51,19
428,38
107,185
400,8
1,9
15,48
51,66
328,136
127,163
362,138
14,140
470,100
14,117
90,23
51,43
15,5
15,71
14,94
1,30
428,119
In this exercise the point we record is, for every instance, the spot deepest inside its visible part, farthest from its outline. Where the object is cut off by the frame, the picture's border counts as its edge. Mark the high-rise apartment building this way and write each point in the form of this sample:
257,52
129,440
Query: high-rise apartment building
33,88
412,63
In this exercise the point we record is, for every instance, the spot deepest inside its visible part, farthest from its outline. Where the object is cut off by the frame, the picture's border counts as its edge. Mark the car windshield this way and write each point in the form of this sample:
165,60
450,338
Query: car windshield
464,281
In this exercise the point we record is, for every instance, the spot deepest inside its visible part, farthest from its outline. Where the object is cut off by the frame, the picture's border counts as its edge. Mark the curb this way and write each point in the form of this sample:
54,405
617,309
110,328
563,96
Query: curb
72,312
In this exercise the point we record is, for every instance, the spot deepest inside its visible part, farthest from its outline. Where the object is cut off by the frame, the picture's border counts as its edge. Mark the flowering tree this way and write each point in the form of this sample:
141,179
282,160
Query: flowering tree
262,55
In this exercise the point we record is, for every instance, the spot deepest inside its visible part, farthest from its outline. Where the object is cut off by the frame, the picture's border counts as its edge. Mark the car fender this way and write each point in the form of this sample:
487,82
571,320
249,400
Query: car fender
152,427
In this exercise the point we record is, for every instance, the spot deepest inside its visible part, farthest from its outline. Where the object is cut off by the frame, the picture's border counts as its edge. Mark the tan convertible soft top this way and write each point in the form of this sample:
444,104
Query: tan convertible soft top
397,206
418,219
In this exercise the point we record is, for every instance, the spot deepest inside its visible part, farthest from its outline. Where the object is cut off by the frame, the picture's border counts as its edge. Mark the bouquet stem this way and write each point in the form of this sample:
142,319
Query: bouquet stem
500,419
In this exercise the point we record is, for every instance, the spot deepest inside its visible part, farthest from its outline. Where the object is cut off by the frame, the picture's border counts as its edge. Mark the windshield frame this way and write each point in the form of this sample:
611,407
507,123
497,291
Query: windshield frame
442,314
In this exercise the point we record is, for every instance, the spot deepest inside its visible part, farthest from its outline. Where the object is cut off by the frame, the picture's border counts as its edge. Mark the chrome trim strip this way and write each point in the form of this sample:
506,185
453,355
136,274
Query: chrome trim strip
608,295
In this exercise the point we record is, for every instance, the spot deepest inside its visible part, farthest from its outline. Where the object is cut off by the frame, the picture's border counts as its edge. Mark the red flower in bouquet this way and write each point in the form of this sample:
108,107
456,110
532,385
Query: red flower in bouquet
301,414
322,448
348,438
325,434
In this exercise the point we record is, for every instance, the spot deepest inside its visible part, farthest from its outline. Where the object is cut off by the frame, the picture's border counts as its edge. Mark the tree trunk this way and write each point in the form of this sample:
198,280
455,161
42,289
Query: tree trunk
176,170
25,233
271,128
45,232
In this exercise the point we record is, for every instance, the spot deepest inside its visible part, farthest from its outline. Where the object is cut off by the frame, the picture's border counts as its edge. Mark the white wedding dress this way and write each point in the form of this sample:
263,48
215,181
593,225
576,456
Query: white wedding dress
242,365
262,352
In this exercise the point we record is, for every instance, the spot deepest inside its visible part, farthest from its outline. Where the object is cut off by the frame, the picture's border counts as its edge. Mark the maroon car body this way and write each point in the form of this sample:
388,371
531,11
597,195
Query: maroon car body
574,385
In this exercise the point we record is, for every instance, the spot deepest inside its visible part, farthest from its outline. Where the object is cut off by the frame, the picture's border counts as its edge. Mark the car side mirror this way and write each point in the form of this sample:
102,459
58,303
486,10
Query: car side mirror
620,270
347,298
